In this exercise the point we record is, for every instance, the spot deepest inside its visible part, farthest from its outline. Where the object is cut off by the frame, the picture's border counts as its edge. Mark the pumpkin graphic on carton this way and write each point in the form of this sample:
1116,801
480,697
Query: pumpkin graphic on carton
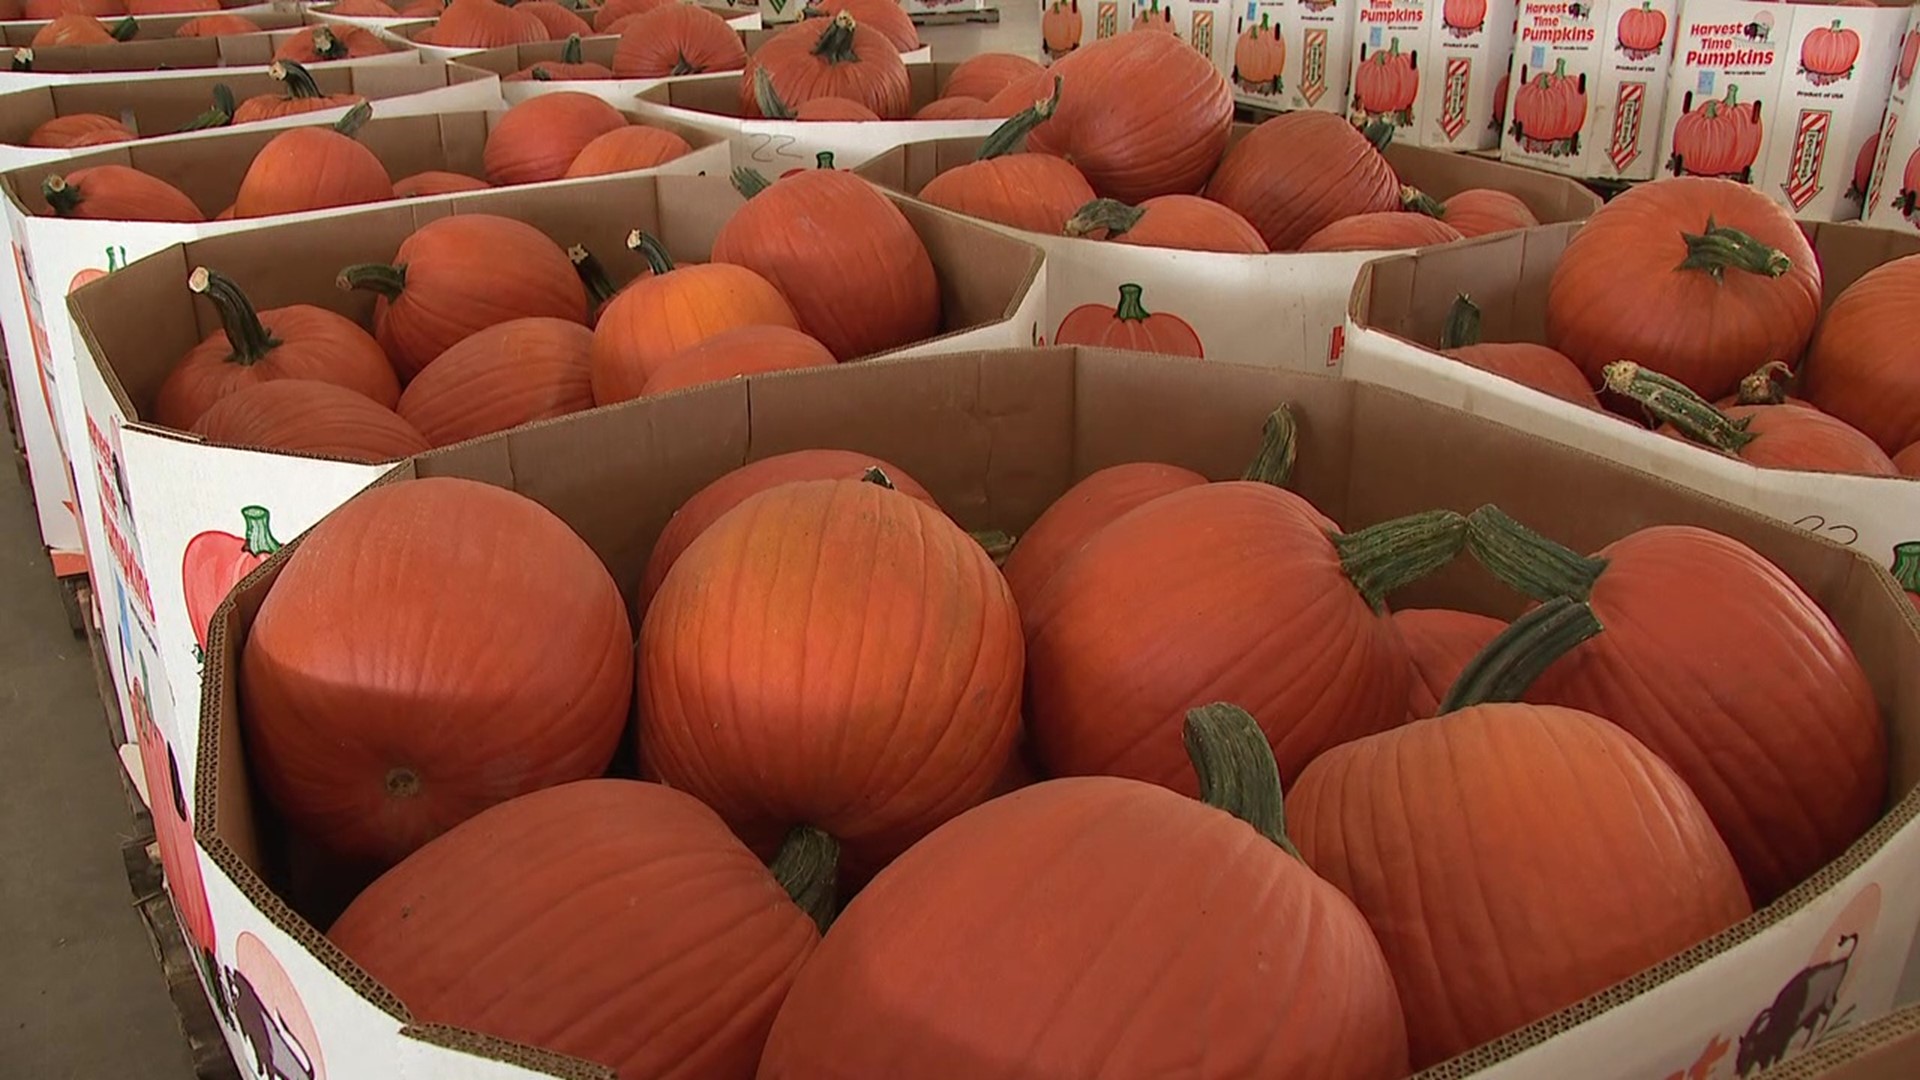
1259,57
1385,84
1640,31
1060,28
1718,137
1129,325
1549,110
1828,53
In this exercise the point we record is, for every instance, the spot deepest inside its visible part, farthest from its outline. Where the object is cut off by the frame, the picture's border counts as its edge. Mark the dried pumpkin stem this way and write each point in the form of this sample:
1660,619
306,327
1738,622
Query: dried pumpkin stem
767,98
1234,762
682,67
1906,565
326,46
62,196
125,29
219,116
1379,133
259,529
1279,445
1673,402
1112,215
355,118
836,41
1527,561
1722,248
1384,557
571,52
22,60
540,74
808,868
651,250
997,543
877,476
592,274
249,337
299,80
1012,132
1767,385
388,281
749,182
1522,653
1413,200
1463,324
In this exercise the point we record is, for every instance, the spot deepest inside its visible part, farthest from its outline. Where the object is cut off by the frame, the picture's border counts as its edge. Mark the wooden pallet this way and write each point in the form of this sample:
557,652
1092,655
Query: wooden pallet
955,18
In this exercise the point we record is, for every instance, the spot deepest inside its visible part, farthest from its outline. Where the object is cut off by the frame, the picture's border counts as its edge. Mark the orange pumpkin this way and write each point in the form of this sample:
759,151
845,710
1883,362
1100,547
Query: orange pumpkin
811,110
885,16
613,11
53,9
570,66
627,149
372,745
1038,192
117,193
312,168
1185,222
509,374
1537,366
1385,230
746,350
985,75
303,96
678,39
333,41
560,21
843,255
433,182
483,24
423,9
1483,211
82,30
305,416
955,108
299,341
458,275
538,138
1300,172
368,9
1858,368
64,132
655,317
170,7
1441,643
830,58
1077,516
1908,460
221,25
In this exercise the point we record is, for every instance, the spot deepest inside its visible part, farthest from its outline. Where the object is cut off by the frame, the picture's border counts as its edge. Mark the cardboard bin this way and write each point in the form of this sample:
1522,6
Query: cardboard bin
997,436
1896,150
599,49
409,32
20,34
22,66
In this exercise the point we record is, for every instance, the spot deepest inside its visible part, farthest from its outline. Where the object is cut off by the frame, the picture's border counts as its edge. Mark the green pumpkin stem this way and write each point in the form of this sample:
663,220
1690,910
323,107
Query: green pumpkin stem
259,538
1413,200
592,273
355,118
540,74
298,79
1672,401
1767,385
1279,438
1112,215
571,52
63,197
1522,653
326,46
388,281
125,29
249,337
1723,248
1527,561
1379,133
808,868
681,67
651,250
998,543
1132,306
1906,565
1012,132
767,98
1382,558
1234,762
836,41
1463,324
877,476
217,117
749,182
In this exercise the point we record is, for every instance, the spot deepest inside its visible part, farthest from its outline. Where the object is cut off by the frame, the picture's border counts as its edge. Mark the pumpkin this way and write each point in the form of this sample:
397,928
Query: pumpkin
1724,667
1038,192
508,374
877,745
303,96
1551,107
858,277
53,9
1129,325
213,562
1300,172
1060,28
570,66
368,9
331,42
422,9
100,138
1484,211
884,16
170,7
1078,515
1863,167
1259,58
678,39
64,132
483,24
1185,222
1273,606
461,274
220,25
1463,18
1386,81
1827,53
312,168
658,315
306,416
1771,436
614,10
1909,56
628,149
1383,230
371,744
299,341
712,502
78,30
1641,30
538,138
1860,366
954,108
1908,460
656,922
830,58
1214,959
746,350
1537,366
986,74
767,100
117,193
1716,138
1714,273
1441,643
433,182
1562,853
559,20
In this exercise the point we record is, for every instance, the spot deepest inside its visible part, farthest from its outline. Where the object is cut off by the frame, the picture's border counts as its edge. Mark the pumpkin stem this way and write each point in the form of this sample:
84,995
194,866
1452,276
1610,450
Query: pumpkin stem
388,281
125,29
62,196
808,867
1234,762
1522,653
219,116
1906,565
1528,561
998,543
1012,132
592,274
299,80
1673,402
1379,133
1131,309
1112,215
350,123
767,98
540,74
1419,202
249,337
571,53
326,46
22,60
259,539
1767,385
651,250
1279,438
1384,557
749,182
877,475
836,41
681,67
1463,324
1721,248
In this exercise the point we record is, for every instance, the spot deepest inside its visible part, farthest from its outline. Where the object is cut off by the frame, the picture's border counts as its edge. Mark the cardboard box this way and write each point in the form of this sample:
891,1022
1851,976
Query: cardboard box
1602,63
995,438
1276,310
20,34
1896,165
160,105
1432,69
409,32
991,291
508,59
1398,308
1885,1049
20,66
1809,81
1317,38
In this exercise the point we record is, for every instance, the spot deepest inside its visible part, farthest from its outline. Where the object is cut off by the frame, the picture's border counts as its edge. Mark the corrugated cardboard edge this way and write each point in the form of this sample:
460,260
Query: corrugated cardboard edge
1886,1049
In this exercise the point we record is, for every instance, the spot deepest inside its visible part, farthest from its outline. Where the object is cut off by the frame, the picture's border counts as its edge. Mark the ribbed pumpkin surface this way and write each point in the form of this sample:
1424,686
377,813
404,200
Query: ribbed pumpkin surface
539,138
1298,173
983,76
628,148
747,350
510,374
1546,370
1440,643
309,417
1860,367
1798,437
1482,211
679,39
1038,192
1386,230
1075,517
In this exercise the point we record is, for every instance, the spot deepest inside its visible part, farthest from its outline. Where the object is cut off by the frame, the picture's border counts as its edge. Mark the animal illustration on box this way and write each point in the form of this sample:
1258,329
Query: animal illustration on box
1549,110
1718,137
1806,1004
1760,29
280,1041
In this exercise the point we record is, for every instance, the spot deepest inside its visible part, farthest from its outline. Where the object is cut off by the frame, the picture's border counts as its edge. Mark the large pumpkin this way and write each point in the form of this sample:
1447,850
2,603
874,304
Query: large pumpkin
1038,192
1724,667
1541,843
874,744
1441,643
299,341
434,647
1771,436
613,921
614,11
1183,222
79,30
984,75
331,42
629,148
306,416
679,39
303,96
1697,279
843,255
538,138
117,193
560,21
1382,230
887,17
745,350
1483,211
1078,515
1298,173
1527,363
1863,366
436,182
571,64
508,374
313,168
63,132
460,274
483,24
830,58
1152,935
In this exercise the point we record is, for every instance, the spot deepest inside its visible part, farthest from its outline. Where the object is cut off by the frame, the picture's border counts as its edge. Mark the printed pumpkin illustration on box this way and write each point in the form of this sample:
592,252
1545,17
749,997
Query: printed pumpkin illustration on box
1909,186
1464,18
215,562
1060,28
1906,568
1827,54
1259,57
1129,326
1386,83
173,833
1152,16
1909,56
1717,137
1640,31
1549,110
281,1043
